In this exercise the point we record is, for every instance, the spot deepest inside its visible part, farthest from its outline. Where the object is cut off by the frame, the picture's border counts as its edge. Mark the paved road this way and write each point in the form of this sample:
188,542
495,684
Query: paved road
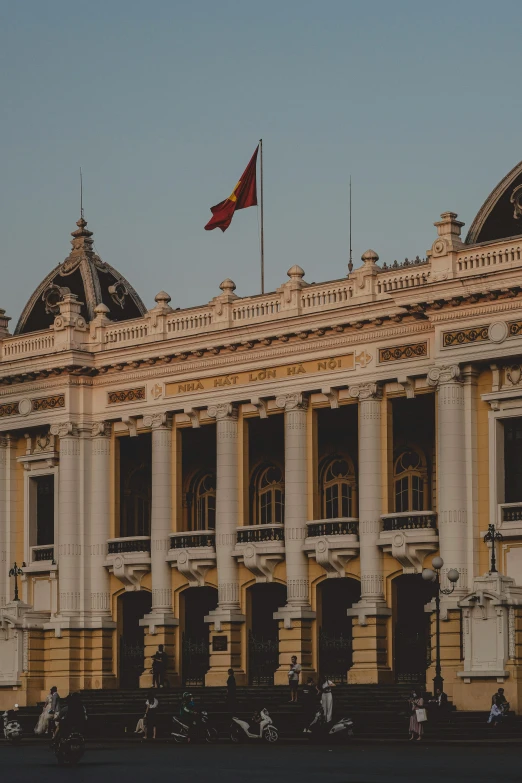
261,764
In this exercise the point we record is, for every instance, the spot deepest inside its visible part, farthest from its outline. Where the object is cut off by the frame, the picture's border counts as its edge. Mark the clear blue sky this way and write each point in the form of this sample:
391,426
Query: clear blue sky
162,103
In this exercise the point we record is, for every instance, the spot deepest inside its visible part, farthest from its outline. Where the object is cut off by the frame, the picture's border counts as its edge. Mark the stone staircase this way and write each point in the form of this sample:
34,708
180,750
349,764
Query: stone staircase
379,713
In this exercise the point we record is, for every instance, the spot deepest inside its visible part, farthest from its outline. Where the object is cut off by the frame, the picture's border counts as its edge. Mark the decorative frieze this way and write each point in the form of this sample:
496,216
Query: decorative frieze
48,403
515,328
398,352
474,334
126,395
9,409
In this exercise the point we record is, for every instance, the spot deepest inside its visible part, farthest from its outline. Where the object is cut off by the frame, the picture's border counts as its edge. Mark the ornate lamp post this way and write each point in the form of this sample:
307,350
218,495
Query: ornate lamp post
433,575
16,571
491,537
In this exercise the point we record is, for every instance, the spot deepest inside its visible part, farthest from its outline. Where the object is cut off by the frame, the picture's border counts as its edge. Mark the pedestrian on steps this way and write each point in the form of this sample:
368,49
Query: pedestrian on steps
417,715
293,678
151,712
231,691
325,689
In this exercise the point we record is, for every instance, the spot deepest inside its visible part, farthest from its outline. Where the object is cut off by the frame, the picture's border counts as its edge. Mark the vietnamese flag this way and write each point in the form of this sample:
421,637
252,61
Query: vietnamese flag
244,195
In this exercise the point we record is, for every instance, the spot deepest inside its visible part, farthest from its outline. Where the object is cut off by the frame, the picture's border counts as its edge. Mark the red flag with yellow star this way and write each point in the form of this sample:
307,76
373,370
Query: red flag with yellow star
244,195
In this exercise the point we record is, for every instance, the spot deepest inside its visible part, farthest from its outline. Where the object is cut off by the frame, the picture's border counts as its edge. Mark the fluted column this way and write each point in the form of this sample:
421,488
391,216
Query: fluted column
69,524
98,604
3,522
227,504
161,513
451,470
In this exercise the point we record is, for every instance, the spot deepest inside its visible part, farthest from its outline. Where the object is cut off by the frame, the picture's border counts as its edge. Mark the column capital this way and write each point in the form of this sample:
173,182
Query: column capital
292,402
225,410
101,429
365,391
65,429
446,373
157,421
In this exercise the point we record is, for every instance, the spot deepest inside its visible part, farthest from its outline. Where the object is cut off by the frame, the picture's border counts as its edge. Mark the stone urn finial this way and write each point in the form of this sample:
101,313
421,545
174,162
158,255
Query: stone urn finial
296,273
228,286
163,298
370,257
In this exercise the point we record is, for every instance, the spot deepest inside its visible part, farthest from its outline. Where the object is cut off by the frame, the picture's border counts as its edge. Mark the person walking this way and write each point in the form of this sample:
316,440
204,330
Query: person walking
325,690
311,703
159,667
293,678
231,691
417,711
151,711
43,725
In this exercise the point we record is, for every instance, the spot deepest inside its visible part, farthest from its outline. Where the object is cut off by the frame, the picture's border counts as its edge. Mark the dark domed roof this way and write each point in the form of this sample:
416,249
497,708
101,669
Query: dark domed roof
92,280
500,216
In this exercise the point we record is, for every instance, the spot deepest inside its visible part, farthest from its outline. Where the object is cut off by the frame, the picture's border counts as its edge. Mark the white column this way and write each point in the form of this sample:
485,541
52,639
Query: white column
370,483
296,484
451,470
227,507
98,602
69,528
3,522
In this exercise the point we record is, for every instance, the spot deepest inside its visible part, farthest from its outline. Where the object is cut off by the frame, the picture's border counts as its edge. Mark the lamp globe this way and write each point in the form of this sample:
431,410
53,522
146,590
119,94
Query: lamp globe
437,562
453,575
428,575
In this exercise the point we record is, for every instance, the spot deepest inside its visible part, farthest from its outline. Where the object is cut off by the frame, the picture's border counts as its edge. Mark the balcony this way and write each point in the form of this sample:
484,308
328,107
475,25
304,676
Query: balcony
510,520
42,554
193,554
409,536
332,543
260,548
129,560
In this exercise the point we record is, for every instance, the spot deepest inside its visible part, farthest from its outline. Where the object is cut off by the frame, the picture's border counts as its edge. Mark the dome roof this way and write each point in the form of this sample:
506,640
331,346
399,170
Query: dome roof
500,216
92,280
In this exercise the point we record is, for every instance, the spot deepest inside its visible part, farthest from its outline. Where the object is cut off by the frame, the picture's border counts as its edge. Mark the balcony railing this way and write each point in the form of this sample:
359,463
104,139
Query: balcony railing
120,546
42,554
410,520
260,533
197,538
511,512
333,527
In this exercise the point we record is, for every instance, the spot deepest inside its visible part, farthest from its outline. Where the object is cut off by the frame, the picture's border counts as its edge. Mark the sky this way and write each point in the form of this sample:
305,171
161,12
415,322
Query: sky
162,104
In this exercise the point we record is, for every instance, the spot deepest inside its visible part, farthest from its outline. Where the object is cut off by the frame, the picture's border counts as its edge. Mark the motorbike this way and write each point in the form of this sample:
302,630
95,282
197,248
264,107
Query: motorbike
340,730
260,728
12,727
69,749
201,729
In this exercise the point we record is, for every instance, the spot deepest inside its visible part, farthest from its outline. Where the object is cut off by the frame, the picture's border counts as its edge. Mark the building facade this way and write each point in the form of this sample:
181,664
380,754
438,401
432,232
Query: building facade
267,476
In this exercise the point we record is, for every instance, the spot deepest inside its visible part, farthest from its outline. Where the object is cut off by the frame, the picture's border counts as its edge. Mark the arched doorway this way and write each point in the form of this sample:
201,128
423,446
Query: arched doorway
263,637
412,627
195,652
131,608
335,597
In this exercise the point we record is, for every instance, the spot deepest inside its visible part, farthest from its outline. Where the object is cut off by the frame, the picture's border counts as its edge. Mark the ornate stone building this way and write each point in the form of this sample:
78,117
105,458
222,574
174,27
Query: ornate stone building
266,476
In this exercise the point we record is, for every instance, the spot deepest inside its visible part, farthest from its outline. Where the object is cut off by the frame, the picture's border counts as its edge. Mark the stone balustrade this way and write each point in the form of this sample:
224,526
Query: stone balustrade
42,554
409,520
333,527
259,533
118,546
198,538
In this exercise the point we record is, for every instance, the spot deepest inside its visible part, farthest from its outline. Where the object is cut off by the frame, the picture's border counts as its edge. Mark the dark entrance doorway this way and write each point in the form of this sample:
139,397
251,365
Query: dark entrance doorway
195,652
412,628
132,606
263,637
335,630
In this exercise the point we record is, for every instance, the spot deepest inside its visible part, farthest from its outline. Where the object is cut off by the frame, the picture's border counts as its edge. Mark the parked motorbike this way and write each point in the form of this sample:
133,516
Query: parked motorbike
69,749
12,727
259,728
181,731
340,730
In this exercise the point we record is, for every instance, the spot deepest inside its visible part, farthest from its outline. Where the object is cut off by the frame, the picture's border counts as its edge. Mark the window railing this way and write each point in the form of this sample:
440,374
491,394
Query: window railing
195,539
42,554
410,520
260,533
511,512
120,546
343,526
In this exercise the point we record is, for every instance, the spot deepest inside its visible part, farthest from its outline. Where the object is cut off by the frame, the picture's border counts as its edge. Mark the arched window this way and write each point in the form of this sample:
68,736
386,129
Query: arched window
268,496
201,502
411,481
338,488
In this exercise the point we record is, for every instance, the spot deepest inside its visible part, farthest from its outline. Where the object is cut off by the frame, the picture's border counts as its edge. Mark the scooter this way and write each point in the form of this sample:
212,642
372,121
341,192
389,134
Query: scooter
69,749
340,730
260,728
12,728
181,731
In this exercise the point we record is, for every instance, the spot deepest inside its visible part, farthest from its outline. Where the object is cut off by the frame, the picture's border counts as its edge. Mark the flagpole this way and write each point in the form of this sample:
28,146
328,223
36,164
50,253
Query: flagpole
262,220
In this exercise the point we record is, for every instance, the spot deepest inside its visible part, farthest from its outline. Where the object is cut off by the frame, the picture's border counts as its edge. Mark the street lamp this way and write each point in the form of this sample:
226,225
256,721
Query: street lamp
433,575
16,571
491,537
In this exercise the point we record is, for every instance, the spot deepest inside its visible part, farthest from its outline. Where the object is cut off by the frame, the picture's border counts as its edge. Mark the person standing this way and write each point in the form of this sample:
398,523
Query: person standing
42,727
438,706
311,702
159,667
231,691
416,728
151,711
55,708
293,678
325,689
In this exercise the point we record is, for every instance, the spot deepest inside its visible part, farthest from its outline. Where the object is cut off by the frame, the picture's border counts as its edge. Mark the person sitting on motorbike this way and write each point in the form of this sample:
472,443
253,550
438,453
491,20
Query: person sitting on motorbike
188,713
260,719
72,717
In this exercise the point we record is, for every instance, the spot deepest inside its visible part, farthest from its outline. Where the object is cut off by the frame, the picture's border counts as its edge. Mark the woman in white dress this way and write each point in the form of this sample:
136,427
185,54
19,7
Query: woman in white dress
325,690
43,721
